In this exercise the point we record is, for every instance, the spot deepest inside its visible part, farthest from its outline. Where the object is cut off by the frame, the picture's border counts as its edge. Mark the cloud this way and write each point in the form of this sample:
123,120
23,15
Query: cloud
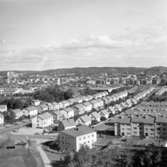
135,48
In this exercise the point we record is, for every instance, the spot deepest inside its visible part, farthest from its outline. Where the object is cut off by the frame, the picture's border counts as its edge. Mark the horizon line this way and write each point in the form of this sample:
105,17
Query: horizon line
66,68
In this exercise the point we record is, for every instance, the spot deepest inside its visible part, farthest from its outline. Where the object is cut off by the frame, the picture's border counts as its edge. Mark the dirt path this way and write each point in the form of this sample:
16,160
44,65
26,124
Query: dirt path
46,160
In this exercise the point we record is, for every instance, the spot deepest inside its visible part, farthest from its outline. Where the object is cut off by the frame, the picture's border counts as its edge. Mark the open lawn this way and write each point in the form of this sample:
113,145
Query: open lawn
19,157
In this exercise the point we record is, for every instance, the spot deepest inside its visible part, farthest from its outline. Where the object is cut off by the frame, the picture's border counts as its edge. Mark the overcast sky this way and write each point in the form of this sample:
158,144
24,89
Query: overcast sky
46,34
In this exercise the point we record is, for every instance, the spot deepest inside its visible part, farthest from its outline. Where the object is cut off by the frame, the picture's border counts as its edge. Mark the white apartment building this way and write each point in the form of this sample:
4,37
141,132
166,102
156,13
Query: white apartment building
43,120
74,139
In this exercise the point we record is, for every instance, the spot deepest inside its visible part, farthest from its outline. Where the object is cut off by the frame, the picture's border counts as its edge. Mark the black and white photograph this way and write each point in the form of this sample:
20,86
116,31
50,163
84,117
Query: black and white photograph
83,83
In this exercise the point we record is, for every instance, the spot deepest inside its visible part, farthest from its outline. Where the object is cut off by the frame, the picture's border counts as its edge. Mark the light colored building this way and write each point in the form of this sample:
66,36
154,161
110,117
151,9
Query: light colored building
25,112
1,119
74,139
84,120
43,120
36,102
95,116
161,126
55,106
122,125
33,111
70,112
80,108
95,104
104,113
3,108
100,103
66,124
44,107
62,114
88,106
18,113
134,125
106,100
50,106
125,127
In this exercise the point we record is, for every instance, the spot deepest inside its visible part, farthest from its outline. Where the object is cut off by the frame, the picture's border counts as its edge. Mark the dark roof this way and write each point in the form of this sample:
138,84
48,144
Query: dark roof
78,131
69,122
161,119
121,119
143,119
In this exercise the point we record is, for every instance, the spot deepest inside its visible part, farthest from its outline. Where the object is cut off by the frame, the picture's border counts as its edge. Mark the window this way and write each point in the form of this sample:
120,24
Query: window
146,134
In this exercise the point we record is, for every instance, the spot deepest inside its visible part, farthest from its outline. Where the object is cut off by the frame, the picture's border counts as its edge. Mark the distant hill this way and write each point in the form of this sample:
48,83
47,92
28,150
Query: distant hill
92,70
156,70
96,70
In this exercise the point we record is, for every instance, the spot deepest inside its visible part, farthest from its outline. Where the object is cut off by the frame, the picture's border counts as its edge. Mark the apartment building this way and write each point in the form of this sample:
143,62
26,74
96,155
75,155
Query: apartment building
143,125
125,127
74,139
42,120
134,125
161,126
122,125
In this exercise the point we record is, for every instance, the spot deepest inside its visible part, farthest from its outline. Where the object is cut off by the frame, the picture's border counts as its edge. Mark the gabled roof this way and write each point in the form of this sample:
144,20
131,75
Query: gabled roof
87,104
69,109
143,119
96,115
45,115
161,119
120,119
44,106
68,123
85,118
30,108
3,106
104,112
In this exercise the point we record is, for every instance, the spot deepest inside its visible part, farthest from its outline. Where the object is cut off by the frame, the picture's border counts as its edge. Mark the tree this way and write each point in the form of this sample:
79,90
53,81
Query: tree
68,94
9,116
44,95
53,93
150,157
102,118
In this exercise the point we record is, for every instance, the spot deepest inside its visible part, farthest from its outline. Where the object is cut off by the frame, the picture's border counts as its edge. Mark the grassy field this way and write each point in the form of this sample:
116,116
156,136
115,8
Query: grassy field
19,157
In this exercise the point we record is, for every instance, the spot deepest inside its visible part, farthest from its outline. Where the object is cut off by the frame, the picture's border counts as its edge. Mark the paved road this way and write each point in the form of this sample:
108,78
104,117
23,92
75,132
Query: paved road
46,160
14,127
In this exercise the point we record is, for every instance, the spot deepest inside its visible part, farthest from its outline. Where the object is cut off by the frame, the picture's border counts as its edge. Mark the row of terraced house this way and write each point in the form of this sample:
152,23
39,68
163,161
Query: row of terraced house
79,109
74,135
87,112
